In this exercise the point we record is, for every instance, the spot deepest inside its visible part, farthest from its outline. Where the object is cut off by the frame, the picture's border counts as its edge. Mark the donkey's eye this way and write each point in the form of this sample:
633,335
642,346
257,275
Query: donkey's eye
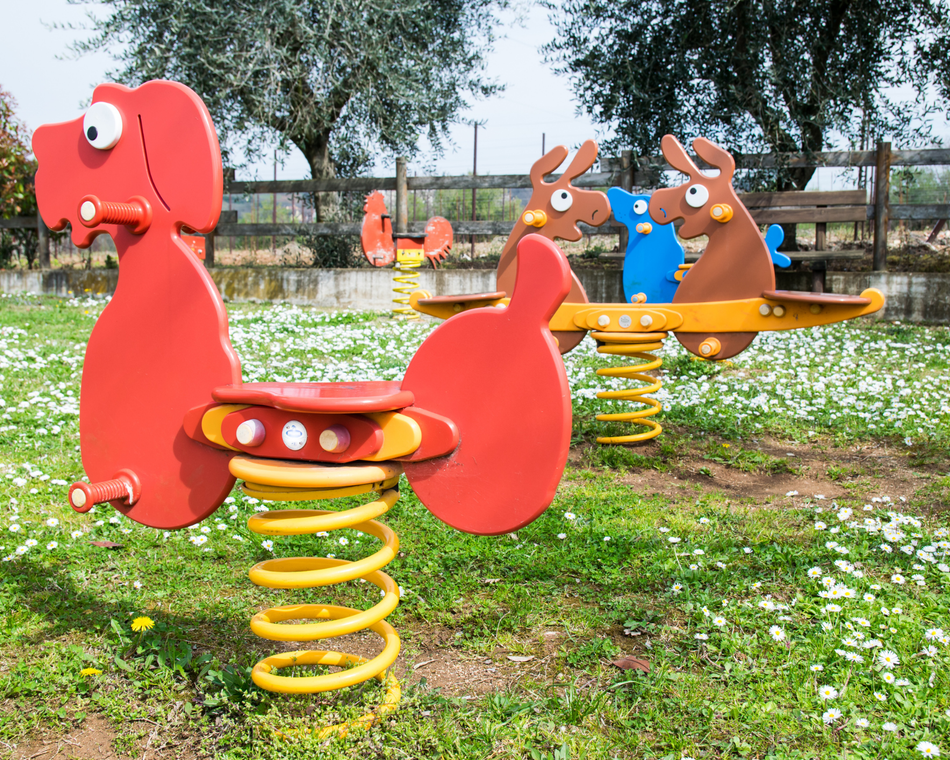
640,207
561,200
696,195
102,125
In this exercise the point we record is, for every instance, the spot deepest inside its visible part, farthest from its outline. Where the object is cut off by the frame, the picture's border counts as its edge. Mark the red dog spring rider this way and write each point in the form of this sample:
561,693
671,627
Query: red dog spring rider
167,425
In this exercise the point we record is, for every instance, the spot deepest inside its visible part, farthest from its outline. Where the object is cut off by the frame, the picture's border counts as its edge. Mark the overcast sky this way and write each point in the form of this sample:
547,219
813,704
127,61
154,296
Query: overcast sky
50,89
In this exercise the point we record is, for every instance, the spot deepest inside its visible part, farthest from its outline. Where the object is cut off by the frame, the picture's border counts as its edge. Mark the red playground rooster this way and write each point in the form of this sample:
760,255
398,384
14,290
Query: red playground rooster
379,245
137,166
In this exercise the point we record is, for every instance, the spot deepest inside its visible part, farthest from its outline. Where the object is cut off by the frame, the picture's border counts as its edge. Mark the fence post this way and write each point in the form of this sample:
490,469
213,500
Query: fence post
42,241
625,181
402,198
882,191
209,250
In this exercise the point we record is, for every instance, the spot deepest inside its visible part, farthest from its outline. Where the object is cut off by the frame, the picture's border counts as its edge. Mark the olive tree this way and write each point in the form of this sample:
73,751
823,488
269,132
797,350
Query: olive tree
338,79
780,75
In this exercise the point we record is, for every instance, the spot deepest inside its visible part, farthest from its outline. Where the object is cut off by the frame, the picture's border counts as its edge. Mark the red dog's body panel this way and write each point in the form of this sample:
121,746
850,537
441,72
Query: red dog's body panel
498,375
161,345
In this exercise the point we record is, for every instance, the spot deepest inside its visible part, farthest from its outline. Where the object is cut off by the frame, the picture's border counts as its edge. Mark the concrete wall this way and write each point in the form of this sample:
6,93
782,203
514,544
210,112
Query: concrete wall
912,297
59,282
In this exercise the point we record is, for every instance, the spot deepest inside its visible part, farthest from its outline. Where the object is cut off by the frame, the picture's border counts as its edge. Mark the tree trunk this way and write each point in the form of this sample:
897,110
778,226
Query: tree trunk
317,152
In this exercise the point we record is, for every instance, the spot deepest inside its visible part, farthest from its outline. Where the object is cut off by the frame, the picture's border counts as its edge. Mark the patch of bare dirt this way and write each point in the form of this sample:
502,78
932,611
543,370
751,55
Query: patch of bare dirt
465,674
94,739
432,654
857,472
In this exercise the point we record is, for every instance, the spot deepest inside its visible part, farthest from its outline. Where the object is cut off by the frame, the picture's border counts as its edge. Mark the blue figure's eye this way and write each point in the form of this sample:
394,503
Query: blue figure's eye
640,207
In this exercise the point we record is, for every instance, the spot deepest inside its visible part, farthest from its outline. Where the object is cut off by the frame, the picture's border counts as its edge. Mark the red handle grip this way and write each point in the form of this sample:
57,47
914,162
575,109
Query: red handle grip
125,487
137,213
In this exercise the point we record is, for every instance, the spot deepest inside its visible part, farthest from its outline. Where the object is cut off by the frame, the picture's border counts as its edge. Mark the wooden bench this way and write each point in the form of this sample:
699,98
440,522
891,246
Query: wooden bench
818,208
795,207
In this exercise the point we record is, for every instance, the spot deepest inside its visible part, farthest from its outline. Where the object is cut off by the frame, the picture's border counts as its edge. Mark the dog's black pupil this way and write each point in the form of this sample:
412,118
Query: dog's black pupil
92,133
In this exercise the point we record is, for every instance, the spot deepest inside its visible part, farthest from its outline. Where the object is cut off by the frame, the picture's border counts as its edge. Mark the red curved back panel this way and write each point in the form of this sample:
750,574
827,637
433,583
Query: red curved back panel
498,375
161,345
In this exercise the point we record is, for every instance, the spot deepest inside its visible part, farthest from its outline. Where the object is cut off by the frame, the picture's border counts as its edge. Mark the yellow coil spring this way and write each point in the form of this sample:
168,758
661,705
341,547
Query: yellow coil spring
404,281
310,572
637,346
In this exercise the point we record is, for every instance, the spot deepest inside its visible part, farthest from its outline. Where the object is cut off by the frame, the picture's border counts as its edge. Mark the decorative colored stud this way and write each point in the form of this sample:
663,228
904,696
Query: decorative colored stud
535,217
721,212
251,433
709,348
335,439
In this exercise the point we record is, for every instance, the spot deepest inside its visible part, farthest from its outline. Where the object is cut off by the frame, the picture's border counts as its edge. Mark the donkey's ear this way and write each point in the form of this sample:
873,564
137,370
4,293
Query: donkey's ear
676,155
712,154
547,164
586,155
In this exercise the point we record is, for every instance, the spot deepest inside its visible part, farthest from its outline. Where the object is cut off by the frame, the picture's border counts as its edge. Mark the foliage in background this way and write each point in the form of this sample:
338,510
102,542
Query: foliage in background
17,166
782,76
18,244
919,186
17,196
491,204
336,79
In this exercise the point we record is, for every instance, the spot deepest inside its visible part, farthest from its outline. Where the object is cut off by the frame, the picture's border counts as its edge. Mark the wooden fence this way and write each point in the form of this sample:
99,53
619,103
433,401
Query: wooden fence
622,171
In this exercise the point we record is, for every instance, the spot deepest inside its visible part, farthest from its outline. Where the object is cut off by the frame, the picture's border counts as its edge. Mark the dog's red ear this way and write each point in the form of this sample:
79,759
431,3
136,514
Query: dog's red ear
181,150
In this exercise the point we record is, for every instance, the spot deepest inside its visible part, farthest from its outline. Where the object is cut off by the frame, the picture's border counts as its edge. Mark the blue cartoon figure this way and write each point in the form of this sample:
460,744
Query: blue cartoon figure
774,236
653,251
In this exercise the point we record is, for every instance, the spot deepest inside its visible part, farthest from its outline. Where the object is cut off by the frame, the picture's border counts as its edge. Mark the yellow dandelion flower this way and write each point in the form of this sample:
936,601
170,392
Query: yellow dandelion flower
143,624
90,672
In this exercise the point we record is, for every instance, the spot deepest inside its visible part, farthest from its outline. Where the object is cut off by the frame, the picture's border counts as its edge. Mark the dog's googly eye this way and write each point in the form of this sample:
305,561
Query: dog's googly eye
697,195
102,125
640,207
561,200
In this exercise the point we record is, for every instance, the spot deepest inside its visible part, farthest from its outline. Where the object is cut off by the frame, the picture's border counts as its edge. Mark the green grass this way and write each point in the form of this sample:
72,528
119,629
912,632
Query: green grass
597,576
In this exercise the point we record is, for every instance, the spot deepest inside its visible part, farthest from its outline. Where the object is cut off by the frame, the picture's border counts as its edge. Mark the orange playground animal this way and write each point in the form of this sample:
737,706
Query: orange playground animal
553,211
728,297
